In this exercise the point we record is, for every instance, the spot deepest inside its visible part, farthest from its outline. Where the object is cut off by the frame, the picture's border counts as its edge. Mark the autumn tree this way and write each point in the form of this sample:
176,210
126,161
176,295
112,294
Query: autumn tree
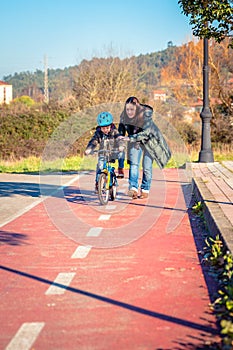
104,80
183,75
221,67
184,79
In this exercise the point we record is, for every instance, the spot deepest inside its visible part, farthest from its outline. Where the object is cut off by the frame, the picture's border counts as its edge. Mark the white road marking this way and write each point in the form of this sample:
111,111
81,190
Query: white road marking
81,252
74,179
21,212
25,336
63,278
104,217
38,201
94,231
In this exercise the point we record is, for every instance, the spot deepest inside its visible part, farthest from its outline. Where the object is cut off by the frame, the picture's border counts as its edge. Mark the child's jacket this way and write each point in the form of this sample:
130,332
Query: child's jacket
99,137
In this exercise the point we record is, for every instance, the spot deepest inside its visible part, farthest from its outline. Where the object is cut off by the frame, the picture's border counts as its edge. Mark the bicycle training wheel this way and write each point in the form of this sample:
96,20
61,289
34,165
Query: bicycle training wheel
103,193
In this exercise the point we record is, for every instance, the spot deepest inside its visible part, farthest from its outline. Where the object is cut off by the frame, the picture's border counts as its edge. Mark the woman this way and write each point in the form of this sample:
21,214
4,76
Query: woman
145,139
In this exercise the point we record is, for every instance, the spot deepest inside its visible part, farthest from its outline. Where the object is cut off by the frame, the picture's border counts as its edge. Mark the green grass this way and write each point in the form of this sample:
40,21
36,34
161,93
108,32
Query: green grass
31,164
35,165
77,163
218,157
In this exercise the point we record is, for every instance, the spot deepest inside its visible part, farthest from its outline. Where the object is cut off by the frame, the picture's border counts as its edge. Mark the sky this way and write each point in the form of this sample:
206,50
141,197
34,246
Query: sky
68,31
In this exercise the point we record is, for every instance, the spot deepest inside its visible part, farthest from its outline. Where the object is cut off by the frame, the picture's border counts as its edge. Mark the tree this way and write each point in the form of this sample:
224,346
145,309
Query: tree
183,76
218,14
221,65
104,80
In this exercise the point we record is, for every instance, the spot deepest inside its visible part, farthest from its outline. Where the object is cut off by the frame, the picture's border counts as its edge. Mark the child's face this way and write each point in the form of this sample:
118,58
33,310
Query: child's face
105,129
130,110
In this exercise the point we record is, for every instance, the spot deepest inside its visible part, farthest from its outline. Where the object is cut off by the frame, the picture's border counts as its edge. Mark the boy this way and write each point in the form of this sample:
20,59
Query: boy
106,129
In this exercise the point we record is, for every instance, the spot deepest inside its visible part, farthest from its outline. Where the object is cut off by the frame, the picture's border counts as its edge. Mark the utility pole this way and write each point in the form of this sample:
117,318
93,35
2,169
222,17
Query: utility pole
46,88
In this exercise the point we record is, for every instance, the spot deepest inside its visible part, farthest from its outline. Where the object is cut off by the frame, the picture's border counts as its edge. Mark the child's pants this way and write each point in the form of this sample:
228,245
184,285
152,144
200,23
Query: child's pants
100,164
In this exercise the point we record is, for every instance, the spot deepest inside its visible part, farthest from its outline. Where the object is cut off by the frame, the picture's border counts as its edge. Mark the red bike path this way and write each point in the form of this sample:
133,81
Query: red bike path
77,275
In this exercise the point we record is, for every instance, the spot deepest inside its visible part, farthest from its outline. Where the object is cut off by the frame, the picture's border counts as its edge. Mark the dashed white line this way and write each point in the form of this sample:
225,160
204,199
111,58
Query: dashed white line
81,252
104,217
63,278
25,336
94,231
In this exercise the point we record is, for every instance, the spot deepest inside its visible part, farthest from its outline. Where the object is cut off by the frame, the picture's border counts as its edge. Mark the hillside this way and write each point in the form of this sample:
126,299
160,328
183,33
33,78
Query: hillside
61,81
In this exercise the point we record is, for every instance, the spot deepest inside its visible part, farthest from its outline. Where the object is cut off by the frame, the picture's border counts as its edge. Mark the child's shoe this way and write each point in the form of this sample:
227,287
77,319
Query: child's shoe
120,173
96,188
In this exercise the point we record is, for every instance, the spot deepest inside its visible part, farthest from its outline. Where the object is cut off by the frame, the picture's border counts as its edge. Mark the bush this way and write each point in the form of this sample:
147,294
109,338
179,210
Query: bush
26,100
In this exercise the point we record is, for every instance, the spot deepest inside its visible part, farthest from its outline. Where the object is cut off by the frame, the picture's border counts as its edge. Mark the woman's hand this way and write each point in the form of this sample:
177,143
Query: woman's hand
125,138
87,152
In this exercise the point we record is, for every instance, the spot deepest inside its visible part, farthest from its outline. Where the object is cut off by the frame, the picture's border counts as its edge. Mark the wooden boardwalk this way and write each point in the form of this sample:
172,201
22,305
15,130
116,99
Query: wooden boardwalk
213,185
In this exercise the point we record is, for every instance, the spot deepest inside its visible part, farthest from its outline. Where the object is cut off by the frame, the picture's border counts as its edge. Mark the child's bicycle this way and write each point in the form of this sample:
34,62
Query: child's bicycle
107,180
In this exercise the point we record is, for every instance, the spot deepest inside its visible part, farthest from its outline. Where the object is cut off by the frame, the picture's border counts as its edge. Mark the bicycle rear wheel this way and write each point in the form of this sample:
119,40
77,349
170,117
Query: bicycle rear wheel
103,193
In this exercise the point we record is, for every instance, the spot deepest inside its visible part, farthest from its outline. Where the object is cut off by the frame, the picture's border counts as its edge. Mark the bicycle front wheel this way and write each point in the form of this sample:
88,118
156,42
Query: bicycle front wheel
103,192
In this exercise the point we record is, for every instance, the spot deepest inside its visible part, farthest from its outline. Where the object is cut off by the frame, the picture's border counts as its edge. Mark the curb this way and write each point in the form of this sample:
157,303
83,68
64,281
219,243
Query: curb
217,222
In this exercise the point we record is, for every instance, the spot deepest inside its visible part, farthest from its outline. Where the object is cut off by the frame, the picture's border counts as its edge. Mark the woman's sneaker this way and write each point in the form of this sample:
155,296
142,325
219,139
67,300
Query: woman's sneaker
144,195
133,194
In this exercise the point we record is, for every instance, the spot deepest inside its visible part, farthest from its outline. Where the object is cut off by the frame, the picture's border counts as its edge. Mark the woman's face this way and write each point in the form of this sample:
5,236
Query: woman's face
130,110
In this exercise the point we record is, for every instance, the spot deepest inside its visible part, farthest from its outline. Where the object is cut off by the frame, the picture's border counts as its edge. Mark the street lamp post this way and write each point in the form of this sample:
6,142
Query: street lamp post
206,154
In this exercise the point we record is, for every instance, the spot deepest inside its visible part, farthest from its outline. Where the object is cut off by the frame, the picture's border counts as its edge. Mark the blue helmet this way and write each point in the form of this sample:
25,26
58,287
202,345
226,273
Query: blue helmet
104,119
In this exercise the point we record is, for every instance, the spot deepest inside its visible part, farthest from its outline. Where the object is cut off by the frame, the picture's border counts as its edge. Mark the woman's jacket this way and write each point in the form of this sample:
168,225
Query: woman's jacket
149,135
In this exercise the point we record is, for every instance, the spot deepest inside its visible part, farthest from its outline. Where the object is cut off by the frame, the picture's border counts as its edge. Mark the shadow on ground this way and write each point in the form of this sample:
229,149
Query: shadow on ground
12,238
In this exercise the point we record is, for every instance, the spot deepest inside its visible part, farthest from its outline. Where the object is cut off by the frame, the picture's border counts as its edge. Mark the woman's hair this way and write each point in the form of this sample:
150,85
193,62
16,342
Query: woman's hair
132,99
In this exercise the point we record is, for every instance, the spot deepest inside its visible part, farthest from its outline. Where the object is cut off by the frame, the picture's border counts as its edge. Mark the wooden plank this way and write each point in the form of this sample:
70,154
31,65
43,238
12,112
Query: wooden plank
215,170
205,170
217,193
225,188
225,172
228,212
230,182
222,195
229,165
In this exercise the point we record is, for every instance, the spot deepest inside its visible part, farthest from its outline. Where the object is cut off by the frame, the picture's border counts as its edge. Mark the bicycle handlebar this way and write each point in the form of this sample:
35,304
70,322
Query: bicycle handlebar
106,143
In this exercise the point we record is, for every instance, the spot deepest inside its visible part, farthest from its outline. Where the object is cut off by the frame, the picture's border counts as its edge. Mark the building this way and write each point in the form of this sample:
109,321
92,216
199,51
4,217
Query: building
5,92
159,95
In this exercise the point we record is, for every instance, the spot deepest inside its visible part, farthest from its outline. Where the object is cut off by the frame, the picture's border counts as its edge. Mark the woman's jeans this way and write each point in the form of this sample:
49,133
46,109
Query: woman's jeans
121,159
135,153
